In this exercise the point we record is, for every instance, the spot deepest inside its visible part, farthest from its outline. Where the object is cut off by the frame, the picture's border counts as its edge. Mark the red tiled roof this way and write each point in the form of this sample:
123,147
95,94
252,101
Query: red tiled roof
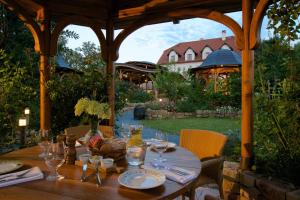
197,46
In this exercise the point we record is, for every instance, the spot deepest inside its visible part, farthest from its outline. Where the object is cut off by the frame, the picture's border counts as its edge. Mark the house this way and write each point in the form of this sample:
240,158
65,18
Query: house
186,55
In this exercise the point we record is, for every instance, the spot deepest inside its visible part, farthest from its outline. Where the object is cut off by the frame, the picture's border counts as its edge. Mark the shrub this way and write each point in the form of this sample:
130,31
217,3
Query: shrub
138,95
232,149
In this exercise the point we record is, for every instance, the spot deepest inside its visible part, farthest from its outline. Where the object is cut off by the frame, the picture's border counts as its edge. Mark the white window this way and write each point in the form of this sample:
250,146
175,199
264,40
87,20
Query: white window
205,52
189,55
173,57
225,46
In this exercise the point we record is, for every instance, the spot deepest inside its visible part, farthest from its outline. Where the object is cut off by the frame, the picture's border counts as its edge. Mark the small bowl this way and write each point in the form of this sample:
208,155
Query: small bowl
107,162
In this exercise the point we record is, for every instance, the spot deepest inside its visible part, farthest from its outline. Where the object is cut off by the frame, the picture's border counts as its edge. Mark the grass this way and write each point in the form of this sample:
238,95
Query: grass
175,125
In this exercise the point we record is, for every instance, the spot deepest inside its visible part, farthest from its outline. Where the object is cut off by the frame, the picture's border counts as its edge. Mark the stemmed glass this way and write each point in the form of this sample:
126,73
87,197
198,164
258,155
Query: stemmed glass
84,158
160,145
43,142
125,132
54,159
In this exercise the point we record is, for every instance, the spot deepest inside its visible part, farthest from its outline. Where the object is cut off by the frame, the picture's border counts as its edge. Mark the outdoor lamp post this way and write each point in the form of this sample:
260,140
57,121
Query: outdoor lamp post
22,124
27,113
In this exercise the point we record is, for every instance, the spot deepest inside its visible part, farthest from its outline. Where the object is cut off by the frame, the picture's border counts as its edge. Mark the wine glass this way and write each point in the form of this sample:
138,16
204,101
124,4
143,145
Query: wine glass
125,132
160,145
43,142
54,159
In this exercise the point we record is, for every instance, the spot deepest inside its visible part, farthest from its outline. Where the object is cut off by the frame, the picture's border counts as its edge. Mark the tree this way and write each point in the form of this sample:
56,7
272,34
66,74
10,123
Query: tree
284,18
172,84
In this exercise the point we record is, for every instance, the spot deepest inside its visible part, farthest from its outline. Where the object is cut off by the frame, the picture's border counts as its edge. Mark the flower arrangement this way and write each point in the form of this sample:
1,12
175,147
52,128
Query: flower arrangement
92,108
95,111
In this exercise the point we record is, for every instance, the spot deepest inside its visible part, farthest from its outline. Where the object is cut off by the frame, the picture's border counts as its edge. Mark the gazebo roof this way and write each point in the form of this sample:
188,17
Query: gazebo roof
220,58
122,12
62,65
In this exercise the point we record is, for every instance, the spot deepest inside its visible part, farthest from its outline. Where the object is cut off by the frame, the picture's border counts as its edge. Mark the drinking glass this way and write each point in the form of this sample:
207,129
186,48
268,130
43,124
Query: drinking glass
125,133
84,158
135,148
160,145
54,159
43,142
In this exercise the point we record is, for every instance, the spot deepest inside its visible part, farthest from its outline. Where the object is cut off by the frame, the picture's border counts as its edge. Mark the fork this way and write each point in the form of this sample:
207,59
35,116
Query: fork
14,176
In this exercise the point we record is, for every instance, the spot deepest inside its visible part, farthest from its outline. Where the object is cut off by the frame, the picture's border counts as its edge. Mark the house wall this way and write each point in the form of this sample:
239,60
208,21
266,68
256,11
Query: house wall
182,67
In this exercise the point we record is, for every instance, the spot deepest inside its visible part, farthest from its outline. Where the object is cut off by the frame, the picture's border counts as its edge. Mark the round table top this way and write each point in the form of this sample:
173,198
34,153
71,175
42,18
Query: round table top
72,188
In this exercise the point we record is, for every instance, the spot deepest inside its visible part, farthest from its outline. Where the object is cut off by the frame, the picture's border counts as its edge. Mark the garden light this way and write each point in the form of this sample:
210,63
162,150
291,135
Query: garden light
22,122
26,111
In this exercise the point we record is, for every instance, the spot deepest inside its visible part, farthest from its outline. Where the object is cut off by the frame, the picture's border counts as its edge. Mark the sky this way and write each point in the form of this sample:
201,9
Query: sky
149,42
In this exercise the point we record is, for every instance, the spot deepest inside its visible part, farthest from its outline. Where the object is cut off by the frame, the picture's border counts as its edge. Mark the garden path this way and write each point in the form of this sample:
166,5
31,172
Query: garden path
127,117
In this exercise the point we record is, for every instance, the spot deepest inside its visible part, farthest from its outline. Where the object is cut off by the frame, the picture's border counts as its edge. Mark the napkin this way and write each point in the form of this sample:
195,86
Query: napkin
170,173
11,179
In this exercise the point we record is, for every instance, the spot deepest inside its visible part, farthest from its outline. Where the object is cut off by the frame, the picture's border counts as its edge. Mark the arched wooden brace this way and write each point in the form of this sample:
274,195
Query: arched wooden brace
256,23
81,21
130,29
217,17
40,36
32,26
207,14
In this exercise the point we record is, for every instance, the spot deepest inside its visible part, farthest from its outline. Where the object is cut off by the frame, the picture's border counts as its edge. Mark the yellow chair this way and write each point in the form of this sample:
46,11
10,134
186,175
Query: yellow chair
208,146
80,131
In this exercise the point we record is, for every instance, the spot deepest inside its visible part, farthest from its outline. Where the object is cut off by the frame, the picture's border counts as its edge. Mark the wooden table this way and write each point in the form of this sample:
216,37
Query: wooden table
71,188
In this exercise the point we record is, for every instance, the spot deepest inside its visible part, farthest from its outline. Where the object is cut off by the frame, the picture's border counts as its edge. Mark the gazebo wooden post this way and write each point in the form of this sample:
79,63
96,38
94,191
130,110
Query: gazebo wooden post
109,59
247,88
45,106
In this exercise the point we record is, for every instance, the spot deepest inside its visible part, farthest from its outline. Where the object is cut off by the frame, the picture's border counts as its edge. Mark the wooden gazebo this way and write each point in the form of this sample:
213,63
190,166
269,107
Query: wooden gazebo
47,18
218,65
137,72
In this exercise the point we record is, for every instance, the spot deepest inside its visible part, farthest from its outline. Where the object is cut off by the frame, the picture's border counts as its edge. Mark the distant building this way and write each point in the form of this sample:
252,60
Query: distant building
186,55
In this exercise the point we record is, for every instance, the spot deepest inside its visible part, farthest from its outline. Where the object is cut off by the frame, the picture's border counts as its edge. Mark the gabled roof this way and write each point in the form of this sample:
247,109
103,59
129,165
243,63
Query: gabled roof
197,46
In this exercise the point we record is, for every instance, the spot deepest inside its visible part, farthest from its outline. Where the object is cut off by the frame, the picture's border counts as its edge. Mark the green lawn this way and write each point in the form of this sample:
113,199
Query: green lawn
175,125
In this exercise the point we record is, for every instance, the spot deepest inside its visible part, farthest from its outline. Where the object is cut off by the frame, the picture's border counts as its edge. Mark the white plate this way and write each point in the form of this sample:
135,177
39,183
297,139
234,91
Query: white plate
142,179
149,142
9,165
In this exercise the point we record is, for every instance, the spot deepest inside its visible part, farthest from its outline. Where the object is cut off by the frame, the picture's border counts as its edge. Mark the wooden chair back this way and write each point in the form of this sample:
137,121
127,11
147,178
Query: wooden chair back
80,131
205,144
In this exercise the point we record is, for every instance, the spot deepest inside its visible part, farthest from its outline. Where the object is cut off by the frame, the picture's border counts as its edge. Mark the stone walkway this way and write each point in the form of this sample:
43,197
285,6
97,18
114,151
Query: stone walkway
127,117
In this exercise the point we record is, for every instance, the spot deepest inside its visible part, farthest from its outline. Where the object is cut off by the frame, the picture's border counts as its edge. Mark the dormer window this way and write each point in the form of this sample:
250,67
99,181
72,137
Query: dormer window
205,52
173,57
225,46
189,55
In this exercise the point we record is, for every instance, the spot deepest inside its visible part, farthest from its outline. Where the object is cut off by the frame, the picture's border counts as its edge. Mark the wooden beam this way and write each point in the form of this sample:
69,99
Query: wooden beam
80,9
215,16
45,106
192,12
109,59
162,6
247,89
28,21
256,23
133,27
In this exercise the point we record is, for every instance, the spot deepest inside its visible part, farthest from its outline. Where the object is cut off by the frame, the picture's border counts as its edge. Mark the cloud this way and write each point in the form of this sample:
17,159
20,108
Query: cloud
149,42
